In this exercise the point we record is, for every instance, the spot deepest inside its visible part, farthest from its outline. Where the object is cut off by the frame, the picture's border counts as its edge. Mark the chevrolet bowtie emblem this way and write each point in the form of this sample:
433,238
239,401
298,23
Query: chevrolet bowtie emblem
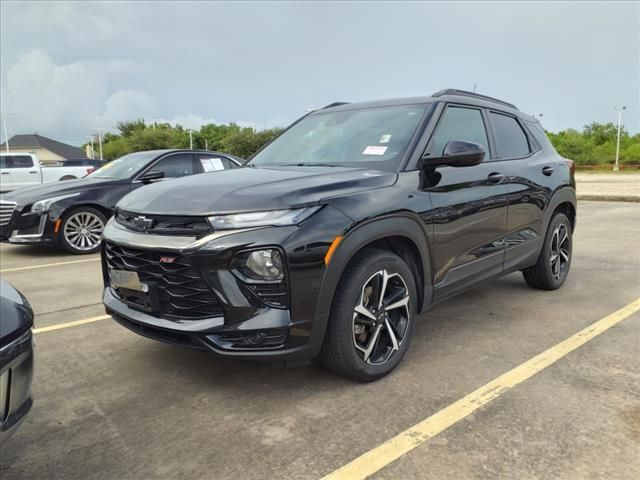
142,223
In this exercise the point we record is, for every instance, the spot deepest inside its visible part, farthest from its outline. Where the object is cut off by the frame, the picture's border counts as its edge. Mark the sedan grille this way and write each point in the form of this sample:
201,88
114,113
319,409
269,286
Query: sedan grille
181,291
6,211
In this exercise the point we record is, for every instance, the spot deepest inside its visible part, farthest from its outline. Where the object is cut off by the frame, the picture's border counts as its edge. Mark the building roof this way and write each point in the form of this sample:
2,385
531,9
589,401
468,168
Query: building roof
38,141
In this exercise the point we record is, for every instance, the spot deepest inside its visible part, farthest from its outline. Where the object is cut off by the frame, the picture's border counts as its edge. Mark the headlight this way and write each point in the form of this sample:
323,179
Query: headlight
43,205
274,218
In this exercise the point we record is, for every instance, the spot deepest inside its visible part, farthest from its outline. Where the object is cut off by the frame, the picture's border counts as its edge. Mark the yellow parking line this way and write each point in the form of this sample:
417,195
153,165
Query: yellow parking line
75,323
44,265
382,455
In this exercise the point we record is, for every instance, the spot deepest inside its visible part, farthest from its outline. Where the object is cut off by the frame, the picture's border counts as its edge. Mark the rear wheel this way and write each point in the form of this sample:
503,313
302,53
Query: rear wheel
552,267
372,317
81,230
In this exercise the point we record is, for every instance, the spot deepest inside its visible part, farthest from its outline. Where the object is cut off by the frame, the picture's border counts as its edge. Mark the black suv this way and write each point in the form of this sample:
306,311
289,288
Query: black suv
338,233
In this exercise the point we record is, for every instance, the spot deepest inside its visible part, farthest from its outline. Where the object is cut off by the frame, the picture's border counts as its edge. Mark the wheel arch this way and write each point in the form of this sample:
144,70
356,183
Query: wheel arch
401,233
563,200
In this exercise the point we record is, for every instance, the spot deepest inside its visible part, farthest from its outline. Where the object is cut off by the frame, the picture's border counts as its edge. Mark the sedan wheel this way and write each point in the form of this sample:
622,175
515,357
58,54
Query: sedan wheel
82,231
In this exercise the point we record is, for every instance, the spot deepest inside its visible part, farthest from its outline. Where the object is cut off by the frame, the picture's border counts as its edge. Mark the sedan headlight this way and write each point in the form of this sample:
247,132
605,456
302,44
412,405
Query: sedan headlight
43,205
273,218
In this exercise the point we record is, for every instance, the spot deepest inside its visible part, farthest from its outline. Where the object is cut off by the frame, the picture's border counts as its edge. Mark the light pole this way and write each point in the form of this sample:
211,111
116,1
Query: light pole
616,166
190,139
99,130
6,132
93,151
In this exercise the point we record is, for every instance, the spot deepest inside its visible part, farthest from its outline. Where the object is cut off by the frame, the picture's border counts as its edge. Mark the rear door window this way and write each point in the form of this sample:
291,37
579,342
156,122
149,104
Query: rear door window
20,161
212,163
511,141
459,123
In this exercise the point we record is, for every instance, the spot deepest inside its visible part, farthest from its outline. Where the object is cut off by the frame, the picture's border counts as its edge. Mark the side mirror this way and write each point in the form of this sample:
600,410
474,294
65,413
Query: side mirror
457,153
151,176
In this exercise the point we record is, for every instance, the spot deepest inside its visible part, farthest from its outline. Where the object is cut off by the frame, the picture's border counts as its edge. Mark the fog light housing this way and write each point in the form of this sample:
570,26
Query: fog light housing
266,265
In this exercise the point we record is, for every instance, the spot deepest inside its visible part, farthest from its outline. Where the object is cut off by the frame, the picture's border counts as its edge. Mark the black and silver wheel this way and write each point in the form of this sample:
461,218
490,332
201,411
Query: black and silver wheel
552,267
81,230
372,317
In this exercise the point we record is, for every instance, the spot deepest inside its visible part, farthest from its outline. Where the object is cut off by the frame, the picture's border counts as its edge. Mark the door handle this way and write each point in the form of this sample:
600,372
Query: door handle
33,172
495,177
548,171
6,173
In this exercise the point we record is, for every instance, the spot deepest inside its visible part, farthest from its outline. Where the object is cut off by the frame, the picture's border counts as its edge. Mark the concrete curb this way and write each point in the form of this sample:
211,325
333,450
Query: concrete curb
610,198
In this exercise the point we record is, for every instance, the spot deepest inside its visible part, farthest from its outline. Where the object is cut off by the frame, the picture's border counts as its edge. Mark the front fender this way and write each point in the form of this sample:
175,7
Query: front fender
403,224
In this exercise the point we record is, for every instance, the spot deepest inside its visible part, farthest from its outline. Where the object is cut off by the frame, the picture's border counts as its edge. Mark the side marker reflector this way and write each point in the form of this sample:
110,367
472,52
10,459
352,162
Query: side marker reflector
56,226
332,249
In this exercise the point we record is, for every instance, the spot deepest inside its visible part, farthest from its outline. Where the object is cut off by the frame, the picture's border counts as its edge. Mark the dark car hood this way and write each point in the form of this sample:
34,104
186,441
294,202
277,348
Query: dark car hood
16,316
252,189
24,196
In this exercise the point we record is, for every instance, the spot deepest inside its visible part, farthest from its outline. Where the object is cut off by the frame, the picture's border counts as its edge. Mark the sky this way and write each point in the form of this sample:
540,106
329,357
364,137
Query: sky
67,68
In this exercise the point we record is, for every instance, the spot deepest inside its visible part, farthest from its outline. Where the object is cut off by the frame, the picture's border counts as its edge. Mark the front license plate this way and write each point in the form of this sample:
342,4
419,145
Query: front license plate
128,280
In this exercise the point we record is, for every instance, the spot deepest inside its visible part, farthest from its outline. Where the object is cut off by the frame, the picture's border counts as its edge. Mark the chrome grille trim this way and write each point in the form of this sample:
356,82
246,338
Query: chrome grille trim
6,211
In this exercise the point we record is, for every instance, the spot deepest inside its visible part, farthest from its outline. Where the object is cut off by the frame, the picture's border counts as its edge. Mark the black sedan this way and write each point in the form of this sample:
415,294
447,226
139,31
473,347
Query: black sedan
16,358
73,214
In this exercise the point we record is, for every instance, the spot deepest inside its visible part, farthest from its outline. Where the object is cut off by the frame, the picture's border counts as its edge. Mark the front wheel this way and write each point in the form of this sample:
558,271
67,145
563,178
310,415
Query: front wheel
81,230
552,267
372,317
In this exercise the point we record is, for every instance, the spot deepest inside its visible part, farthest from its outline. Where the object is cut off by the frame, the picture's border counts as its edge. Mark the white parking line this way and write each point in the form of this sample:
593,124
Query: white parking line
45,265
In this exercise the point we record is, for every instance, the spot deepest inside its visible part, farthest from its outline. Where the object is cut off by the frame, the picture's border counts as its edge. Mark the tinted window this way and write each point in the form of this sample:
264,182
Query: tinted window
175,166
20,161
459,123
3,162
511,140
211,163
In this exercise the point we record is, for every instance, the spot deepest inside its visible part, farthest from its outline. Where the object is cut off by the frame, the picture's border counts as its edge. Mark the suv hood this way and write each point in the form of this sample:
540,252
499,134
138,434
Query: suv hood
252,189
27,195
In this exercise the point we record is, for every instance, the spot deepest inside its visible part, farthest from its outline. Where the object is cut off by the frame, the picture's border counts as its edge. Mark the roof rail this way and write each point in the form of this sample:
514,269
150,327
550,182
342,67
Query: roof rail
334,104
464,93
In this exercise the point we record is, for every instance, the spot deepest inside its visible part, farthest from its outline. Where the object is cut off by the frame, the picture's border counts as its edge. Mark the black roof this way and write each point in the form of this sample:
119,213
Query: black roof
39,141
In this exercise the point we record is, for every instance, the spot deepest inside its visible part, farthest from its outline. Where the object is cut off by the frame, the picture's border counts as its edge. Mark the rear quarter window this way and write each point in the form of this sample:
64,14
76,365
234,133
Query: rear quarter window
511,140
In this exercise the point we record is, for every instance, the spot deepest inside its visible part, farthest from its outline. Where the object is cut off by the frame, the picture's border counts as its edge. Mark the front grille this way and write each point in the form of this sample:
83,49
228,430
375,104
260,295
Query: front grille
181,291
164,224
6,211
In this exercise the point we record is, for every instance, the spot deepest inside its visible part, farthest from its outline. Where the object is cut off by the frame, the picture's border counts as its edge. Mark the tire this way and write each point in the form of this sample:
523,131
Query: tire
552,268
351,347
81,230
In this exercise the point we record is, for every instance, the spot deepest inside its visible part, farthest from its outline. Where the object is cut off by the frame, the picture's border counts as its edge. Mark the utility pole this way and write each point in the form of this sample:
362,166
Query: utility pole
6,132
474,88
99,130
616,166
190,139
206,144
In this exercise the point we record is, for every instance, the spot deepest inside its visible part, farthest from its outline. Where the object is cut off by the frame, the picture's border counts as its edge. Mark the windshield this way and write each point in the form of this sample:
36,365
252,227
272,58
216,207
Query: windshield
124,167
368,137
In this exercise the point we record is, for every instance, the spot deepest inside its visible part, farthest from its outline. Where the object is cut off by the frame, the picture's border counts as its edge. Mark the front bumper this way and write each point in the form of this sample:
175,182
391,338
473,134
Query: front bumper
16,374
246,327
27,228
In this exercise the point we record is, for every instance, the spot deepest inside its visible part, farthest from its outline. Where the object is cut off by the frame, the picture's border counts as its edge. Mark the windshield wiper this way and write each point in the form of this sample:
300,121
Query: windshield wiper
307,164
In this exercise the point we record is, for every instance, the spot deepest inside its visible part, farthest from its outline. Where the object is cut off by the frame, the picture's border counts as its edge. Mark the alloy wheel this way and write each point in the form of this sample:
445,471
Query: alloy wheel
381,317
560,251
83,230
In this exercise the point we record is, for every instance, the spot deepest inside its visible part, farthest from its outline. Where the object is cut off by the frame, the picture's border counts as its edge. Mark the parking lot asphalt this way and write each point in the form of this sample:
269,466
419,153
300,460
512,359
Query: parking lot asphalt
110,404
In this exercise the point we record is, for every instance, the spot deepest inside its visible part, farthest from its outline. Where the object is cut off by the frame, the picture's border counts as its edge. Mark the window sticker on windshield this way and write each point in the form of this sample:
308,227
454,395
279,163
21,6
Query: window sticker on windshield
385,138
375,150
211,164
